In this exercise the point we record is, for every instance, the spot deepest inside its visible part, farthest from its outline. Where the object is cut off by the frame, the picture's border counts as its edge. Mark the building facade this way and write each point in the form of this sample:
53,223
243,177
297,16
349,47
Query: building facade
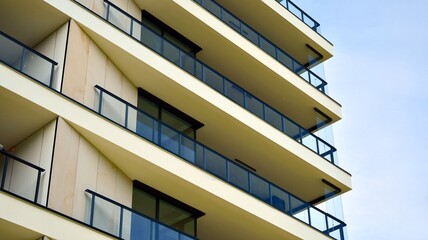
165,119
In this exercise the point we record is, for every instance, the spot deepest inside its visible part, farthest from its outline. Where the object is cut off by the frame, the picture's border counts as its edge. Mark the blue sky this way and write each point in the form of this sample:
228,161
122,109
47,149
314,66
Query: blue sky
380,75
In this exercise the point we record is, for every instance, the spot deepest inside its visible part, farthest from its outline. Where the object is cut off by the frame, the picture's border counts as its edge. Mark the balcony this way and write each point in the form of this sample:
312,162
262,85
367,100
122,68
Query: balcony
123,222
136,30
201,156
300,14
19,177
263,43
25,60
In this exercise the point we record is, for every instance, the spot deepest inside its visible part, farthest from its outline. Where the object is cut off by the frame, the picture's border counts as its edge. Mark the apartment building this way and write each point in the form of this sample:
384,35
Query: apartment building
165,119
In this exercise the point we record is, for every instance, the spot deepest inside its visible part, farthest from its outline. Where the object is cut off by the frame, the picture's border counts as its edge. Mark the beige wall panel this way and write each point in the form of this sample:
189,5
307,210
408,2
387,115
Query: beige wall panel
59,55
99,7
134,10
113,81
54,47
123,192
86,177
46,160
76,63
123,4
95,74
63,180
106,177
129,91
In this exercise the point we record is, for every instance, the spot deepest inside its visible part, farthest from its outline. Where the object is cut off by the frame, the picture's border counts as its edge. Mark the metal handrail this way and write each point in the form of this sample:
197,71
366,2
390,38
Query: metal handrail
23,59
20,160
223,85
205,158
122,207
281,56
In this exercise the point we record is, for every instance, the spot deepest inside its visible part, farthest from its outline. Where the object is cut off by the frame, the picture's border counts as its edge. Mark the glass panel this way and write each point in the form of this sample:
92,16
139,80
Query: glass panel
169,139
293,9
259,188
120,20
267,47
285,59
310,142
238,176
213,79
188,63
254,105
177,123
212,7
113,109
141,228
146,127
187,149
200,158
175,217
150,39
291,129
280,199
215,164
16,172
11,53
37,67
234,93
231,21
167,233
144,203
250,34
273,118
106,216
171,52
318,219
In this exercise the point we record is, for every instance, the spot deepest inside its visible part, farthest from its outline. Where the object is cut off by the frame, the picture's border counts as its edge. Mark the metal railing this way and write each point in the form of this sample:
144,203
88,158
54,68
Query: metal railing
135,29
130,117
121,221
300,14
263,43
16,176
26,60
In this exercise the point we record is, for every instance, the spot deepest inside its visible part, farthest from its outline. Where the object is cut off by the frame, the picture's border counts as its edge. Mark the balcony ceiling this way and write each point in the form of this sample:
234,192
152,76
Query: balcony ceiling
20,20
10,230
15,124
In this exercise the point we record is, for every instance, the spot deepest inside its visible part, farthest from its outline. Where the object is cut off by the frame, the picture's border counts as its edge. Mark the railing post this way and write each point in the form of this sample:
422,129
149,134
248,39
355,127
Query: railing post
121,222
39,173
326,223
52,73
318,145
100,103
309,215
126,115
108,12
3,179
91,220
132,27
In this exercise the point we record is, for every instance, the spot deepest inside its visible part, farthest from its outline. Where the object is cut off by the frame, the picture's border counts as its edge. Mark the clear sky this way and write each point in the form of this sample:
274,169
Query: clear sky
380,75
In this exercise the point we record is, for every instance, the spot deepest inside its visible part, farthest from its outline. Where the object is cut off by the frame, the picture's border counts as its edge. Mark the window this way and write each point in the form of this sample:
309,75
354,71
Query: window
164,208
170,34
167,114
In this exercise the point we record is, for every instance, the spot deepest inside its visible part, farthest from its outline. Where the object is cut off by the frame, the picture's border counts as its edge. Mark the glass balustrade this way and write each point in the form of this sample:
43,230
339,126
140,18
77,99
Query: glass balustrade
19,177
264,44
300,14
164,136
215,80
123,222
25,60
